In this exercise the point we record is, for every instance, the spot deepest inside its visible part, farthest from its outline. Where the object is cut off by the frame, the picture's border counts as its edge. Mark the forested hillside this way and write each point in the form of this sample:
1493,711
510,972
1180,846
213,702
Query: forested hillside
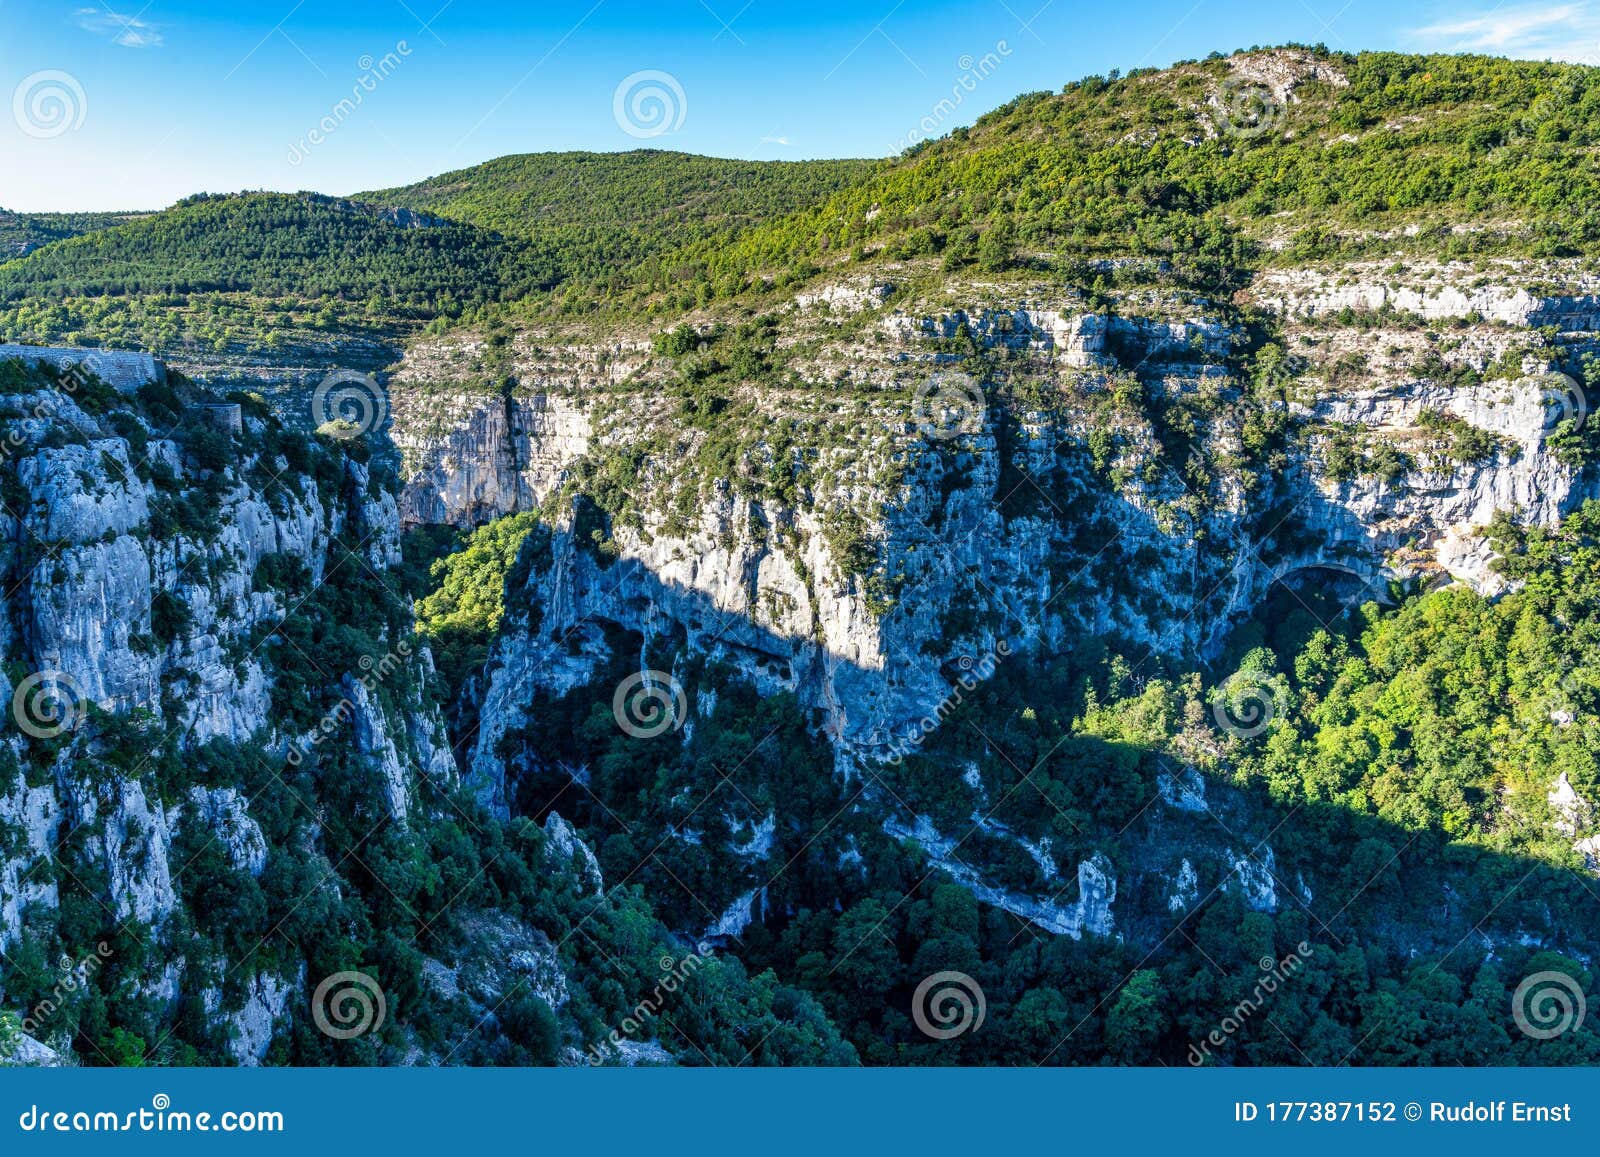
260,273
602,213
1310,156
1139,546
22,233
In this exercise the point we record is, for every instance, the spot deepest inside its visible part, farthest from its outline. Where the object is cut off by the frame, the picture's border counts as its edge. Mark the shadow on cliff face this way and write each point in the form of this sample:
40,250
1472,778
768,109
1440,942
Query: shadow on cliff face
960,583
700,750
1093,859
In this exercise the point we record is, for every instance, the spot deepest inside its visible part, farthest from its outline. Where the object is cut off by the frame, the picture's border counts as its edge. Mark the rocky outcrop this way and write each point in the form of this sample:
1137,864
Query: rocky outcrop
992,523
1442,292
89,598
1089,913
223,813
138,584
250,1027
483,457
568,852
130,838
372,740
30,818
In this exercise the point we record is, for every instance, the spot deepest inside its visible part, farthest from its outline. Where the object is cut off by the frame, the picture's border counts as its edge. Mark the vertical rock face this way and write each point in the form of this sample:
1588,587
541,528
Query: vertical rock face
483,457
372,740
138,583
251,1027
775,604
1413,358
223,812
130,838
1051,510
567,847
33,817
473,454
94,566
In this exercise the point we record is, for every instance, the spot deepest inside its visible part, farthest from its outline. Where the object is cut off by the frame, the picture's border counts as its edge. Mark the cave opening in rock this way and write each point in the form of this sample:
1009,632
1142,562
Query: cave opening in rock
1299,603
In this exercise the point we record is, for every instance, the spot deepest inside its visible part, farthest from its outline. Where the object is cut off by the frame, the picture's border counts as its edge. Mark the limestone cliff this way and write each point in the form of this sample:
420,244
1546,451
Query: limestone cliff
999,471
1046,487
148,565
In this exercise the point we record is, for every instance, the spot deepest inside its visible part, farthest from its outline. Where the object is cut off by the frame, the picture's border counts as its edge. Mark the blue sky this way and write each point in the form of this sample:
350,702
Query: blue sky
135,104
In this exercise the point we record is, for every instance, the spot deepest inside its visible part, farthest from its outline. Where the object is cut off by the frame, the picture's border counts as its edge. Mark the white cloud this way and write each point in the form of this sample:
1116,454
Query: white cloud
1569,32
772,140
128,31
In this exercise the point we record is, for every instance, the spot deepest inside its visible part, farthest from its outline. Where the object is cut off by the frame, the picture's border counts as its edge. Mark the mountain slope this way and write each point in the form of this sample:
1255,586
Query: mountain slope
231,285
605,211
1082,561
22,233
1210,166
301,247
1061,613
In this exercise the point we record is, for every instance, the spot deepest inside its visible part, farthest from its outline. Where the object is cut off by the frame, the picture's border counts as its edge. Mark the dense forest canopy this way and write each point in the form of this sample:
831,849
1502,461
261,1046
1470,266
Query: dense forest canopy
1404,769
1365,153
